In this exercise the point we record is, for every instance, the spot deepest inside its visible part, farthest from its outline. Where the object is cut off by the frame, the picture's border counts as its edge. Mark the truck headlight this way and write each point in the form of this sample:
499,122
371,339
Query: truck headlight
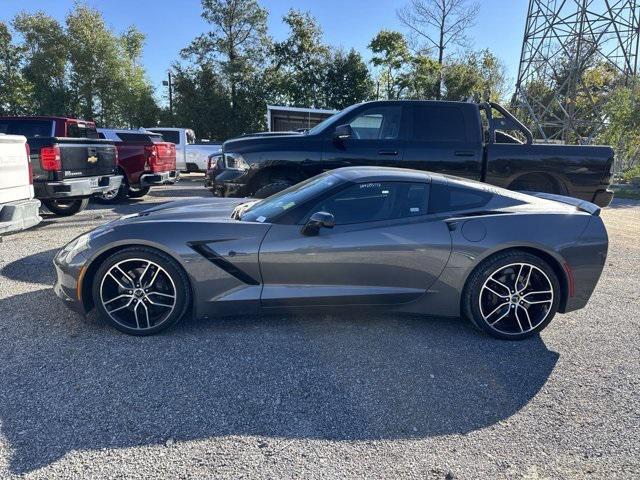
234,161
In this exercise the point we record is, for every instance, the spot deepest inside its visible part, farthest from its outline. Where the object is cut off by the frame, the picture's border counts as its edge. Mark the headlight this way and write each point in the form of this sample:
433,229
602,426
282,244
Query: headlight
75,246
234,161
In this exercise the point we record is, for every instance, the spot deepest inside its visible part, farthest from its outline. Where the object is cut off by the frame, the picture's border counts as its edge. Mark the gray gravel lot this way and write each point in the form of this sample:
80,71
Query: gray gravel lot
314,397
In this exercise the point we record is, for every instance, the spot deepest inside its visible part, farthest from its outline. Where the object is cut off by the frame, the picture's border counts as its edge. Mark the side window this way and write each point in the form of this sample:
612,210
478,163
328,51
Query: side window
376,201
379,123
446,198
438,124
169,136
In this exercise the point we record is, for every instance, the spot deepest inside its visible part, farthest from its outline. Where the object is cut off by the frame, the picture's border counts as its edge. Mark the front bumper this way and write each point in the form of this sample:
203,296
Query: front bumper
160,178
68,274
227,183
20,215
77,187
603,198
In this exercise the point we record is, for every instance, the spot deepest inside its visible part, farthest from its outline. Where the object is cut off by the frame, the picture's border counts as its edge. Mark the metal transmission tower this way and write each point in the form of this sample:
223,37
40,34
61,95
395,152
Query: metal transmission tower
565,43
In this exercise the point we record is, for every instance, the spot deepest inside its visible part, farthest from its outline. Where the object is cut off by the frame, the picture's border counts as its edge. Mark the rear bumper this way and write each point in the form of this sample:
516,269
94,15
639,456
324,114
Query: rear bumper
20,215
160,178
603,198
77,187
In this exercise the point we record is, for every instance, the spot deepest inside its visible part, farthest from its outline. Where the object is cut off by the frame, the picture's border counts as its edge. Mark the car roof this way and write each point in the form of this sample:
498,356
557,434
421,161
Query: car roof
379,174
43,117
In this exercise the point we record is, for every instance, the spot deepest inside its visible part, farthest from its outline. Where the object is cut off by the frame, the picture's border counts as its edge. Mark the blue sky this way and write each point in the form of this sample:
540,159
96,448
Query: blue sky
171,24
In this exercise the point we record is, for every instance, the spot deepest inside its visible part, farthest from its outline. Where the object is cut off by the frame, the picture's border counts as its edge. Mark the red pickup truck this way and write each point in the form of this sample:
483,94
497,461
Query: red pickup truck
144,160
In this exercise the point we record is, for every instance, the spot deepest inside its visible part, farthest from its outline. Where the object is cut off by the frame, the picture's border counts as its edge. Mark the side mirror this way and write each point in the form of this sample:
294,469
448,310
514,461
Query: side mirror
317,221
343,132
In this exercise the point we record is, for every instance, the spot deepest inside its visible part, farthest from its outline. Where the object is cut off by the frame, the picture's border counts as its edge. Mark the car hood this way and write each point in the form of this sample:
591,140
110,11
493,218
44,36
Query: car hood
201,209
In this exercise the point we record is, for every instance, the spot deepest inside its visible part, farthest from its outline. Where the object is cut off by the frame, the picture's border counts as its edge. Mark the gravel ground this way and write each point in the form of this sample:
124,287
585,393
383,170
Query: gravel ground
314,397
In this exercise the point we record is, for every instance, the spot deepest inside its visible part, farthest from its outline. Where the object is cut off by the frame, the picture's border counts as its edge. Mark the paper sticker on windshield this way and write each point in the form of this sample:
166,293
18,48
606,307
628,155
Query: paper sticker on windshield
261,219
288,205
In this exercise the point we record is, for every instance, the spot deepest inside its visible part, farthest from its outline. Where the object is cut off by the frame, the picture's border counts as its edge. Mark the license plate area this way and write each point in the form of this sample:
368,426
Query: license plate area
93,182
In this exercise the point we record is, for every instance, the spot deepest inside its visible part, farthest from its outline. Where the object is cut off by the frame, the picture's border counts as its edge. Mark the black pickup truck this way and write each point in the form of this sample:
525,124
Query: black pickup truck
70,163
478,141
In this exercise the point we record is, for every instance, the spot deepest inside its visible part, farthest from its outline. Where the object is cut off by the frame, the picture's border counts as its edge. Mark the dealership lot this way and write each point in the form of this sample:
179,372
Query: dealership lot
313,397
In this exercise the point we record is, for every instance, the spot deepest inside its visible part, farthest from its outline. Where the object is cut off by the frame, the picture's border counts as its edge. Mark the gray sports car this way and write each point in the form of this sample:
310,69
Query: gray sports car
380,238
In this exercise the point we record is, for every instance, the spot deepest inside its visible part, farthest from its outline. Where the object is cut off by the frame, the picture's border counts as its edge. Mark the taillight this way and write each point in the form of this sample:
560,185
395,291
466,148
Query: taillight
26,145
50,158
152,156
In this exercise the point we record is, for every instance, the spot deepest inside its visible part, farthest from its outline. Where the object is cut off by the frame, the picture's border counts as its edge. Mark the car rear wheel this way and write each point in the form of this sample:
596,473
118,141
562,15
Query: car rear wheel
271,188
512,295
138,192
66,207
141,291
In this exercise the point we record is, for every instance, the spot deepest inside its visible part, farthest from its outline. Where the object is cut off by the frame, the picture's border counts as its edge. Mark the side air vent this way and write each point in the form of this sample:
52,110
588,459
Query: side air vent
203,249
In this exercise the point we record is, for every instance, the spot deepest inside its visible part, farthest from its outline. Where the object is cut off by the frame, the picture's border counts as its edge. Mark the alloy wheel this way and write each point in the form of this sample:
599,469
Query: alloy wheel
138,294
516,298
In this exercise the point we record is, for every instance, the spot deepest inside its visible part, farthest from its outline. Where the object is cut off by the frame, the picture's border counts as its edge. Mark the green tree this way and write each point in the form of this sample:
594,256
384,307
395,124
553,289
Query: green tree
422,80
46,47
391,53
441,24
235,48
300,62
15,90
347,80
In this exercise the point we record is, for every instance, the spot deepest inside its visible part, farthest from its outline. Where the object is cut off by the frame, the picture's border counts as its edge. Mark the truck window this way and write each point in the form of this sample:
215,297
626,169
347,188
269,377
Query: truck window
171,136
81,130
28,128
378,123
433,123
138,137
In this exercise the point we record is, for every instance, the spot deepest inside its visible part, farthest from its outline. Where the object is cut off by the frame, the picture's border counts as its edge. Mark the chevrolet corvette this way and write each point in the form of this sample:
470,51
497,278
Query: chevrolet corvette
356,237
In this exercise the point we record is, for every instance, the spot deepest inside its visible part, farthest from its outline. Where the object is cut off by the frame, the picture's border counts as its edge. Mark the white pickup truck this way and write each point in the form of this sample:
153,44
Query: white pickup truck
191,156
18,208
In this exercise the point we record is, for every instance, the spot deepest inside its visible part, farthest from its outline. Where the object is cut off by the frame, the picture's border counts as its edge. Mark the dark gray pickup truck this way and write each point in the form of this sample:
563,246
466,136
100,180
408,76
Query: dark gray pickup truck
477,141
70,163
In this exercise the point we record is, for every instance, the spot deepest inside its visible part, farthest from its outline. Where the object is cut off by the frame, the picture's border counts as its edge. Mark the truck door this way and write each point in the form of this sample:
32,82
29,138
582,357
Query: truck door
377,139
445,138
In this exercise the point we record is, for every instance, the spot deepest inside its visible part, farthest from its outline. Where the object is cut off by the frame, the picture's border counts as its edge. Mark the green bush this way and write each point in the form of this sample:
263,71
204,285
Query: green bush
632,174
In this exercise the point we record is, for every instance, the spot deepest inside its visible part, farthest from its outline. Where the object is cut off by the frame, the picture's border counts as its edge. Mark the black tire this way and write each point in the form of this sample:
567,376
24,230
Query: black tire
271,188
108,198
535,182
134,258
138,192
515,323
66,208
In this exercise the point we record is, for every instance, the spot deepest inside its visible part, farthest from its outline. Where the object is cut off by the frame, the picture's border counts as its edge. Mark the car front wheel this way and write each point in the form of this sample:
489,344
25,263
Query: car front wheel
512,295
141,291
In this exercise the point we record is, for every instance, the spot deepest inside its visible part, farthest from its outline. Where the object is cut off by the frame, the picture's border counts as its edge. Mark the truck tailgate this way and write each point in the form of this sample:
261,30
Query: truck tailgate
14,169
165,158
84,157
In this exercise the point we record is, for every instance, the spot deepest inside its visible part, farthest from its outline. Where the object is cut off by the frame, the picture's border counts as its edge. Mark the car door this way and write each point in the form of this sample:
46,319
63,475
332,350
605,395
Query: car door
445,137
377,139
384,249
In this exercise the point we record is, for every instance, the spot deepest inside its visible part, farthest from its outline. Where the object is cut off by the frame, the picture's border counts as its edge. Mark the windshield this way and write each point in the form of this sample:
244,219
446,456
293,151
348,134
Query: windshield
269,208
28,128
327,121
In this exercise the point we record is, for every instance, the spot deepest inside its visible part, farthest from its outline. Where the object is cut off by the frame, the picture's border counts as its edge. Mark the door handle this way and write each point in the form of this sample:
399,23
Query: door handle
464,153
388,152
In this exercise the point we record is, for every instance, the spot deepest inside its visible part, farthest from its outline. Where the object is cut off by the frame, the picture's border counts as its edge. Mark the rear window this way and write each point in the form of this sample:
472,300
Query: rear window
28,128
139,137
438,124
81,130
169,136
447,198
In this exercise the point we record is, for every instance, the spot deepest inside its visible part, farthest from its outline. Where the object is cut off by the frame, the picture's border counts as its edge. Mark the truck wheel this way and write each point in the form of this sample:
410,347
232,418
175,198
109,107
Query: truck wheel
271,188
138,192
112,196
65,208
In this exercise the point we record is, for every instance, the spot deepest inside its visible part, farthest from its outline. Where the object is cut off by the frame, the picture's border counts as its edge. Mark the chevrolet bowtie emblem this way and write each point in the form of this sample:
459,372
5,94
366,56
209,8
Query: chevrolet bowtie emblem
92,159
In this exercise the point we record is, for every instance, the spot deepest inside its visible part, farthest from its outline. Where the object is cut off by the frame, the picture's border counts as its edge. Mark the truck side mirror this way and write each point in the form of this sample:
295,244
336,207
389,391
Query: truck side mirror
343,132
317,221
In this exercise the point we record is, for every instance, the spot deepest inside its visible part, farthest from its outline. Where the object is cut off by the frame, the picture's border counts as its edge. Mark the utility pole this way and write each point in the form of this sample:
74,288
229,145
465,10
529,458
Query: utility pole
170,85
